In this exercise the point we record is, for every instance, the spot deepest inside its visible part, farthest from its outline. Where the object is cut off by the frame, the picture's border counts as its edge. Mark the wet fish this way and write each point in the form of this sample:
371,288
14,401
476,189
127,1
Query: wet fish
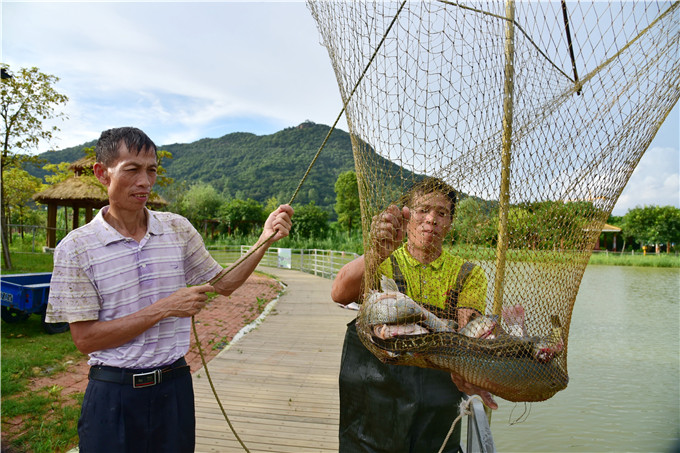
482,327
547,349
513,366
385,331
544,349
485,363
392,307
514,318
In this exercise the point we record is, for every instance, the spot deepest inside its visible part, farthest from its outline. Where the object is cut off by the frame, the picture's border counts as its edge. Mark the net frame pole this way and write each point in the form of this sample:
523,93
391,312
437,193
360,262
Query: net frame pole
506,157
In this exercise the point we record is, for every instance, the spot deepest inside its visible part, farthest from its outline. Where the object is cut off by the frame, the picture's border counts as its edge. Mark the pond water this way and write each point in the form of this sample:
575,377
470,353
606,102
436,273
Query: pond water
624,370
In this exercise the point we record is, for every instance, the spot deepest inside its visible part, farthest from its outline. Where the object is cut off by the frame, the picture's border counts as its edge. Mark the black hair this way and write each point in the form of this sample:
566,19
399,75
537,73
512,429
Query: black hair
432,185
108,145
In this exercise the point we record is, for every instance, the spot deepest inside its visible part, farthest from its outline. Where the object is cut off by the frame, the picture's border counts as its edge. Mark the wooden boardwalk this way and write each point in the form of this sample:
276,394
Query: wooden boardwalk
279,383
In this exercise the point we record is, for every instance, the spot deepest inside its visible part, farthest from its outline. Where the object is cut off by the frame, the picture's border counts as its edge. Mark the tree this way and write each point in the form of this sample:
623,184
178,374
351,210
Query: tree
201,203
271,204
653,224
242,216
310,222
638,223
19,189
474,224
347,201
668,224
28,99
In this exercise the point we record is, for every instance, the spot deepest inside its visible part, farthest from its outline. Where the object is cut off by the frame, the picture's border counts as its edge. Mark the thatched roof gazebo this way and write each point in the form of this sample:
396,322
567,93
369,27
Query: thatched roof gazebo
81,190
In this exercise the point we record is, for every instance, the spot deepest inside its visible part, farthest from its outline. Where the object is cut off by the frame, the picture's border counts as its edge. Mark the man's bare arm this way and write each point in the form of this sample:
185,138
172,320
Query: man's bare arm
387,233
90,336
276,227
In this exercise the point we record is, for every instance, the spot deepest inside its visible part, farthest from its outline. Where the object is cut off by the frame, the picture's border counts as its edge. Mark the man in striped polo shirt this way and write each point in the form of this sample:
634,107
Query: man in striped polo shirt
395,408
121,282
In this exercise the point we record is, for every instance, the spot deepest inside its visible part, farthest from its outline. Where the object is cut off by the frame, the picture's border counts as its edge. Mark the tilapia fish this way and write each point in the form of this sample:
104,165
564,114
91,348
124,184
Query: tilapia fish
543,349
391,313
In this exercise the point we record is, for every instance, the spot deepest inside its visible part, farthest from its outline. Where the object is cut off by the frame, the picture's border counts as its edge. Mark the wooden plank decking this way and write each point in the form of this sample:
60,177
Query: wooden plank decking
279,383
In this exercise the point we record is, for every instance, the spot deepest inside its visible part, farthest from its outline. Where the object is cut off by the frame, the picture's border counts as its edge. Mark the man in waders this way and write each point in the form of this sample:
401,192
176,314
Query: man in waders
395,408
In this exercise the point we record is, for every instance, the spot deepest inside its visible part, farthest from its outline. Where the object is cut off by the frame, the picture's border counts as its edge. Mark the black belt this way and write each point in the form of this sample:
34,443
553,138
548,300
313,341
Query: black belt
139,378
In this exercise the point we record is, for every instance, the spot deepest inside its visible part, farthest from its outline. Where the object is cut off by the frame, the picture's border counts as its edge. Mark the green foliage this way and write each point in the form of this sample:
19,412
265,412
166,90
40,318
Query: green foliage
653,224
27,99
347,201
60,172
201,202
260,167
19,188
309,222
475,223
242,217
551,224
174,194
271,204
637,259
31,262
162,178
334,240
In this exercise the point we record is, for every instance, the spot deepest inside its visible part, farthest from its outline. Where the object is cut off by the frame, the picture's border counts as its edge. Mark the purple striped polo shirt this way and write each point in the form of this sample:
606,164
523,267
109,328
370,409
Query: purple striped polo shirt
101,275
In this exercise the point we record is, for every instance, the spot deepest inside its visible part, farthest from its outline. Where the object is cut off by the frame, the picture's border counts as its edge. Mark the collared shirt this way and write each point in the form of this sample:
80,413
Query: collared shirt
431,283
99,274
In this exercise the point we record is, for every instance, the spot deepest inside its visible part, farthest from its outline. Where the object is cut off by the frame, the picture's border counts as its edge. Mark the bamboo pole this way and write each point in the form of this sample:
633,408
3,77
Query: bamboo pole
506,159
506,148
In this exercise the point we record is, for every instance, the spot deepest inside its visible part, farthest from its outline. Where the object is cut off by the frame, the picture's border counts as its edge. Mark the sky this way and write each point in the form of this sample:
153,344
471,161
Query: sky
186,71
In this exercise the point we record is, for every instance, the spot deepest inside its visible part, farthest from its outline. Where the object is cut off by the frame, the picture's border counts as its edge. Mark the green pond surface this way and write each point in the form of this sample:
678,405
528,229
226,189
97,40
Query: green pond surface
624,370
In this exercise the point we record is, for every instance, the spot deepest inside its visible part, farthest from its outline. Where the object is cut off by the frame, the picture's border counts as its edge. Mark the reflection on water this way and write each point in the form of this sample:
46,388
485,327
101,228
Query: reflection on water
624,370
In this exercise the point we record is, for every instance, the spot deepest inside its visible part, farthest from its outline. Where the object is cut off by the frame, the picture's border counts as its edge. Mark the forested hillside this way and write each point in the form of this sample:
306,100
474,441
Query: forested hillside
244,165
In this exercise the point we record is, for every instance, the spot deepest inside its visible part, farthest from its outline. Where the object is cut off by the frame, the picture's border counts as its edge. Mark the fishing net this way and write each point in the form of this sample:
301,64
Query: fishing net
536,113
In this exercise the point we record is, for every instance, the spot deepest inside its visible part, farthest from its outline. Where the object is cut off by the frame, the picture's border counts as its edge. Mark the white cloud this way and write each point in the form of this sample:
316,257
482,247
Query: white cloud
172,68
655,181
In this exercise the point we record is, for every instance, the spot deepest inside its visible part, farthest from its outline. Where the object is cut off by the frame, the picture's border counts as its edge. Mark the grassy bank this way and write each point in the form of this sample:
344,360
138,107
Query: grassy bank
41,420
640,260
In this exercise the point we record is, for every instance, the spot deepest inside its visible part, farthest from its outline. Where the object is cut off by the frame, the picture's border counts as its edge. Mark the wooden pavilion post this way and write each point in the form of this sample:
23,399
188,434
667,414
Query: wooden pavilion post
52,225
76,217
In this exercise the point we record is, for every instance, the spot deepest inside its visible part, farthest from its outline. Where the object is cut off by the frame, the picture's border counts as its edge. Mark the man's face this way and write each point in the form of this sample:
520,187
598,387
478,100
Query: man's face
129,179
430,221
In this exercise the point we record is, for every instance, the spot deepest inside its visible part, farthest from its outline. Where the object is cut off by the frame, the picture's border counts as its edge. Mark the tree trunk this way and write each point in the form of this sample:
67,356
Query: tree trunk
21,222
8,219
6,258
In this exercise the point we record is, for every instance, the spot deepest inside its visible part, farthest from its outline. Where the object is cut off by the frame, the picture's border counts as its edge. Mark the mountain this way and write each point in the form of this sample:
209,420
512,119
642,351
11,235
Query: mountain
246,165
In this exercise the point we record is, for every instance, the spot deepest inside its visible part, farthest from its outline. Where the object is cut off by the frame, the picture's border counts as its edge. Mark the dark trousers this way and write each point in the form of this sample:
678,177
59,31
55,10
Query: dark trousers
118,418
393,408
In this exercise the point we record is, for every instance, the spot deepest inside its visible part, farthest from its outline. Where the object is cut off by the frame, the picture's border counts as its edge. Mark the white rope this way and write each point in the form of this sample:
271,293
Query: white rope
463,409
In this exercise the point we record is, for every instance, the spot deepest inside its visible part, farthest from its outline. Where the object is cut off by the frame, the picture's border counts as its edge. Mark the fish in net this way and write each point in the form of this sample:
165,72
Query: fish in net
536,114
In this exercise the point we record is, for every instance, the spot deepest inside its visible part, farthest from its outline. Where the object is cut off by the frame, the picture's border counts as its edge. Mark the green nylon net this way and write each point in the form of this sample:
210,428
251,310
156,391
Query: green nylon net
537,114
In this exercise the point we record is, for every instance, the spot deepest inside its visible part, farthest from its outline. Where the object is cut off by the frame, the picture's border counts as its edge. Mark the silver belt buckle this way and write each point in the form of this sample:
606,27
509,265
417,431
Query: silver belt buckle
147,379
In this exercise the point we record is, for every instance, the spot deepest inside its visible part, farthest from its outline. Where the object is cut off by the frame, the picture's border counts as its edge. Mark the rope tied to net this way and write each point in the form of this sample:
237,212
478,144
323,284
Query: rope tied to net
464,408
